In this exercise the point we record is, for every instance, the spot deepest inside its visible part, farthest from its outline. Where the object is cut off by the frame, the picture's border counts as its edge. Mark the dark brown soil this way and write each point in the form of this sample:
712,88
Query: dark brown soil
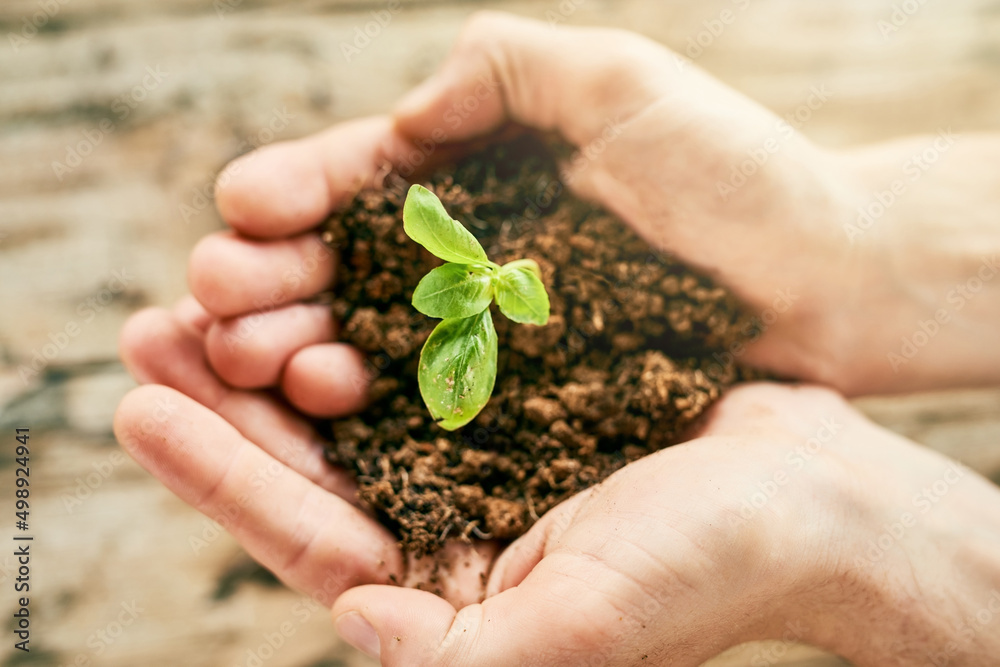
625,365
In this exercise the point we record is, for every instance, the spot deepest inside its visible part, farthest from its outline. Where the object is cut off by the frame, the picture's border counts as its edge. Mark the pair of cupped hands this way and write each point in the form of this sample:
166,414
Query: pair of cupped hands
760,526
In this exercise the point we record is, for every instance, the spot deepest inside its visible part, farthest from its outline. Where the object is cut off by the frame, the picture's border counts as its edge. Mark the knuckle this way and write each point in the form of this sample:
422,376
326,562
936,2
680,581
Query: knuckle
455,646
482,24
487,32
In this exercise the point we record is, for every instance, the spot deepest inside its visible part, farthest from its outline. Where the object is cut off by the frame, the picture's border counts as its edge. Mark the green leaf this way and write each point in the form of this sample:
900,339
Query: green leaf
454,290
458,367
529,264
426,222
521,294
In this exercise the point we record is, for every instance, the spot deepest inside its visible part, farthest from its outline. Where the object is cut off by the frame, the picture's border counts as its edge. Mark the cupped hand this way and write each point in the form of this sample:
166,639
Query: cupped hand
788,517
846,282
255,465
234,372
695,167
658,141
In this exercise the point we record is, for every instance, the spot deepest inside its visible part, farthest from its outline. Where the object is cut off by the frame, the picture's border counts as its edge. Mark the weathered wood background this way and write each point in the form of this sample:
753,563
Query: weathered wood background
140,103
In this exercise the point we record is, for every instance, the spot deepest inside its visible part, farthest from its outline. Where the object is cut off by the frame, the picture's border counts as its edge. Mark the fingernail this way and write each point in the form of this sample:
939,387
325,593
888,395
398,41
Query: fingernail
417,100
359,633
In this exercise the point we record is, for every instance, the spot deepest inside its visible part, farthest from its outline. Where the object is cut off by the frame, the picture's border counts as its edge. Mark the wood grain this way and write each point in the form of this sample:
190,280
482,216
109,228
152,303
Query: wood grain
160,95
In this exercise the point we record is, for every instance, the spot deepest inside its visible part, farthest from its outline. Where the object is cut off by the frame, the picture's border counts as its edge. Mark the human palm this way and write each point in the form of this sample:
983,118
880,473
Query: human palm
756,523
663,559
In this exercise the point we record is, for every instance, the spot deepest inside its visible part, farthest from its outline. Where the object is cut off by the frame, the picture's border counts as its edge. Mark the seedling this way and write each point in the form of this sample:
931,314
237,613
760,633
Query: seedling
458,364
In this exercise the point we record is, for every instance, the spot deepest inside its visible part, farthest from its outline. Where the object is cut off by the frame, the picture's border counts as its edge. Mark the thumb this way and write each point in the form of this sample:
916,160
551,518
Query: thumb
509,69
396,625
654,135
560,622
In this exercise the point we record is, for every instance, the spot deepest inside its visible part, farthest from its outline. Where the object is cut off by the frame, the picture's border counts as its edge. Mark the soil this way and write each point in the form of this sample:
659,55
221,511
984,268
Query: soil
629,360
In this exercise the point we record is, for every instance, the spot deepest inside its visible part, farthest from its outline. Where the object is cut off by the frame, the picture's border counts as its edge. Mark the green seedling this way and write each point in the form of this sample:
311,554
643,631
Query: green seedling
458,364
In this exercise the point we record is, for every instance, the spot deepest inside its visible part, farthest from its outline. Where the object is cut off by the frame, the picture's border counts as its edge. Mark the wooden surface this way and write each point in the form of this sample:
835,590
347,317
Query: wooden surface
173,90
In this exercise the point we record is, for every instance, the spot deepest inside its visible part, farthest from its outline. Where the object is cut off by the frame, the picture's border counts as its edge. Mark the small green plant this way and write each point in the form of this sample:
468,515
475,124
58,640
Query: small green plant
458,364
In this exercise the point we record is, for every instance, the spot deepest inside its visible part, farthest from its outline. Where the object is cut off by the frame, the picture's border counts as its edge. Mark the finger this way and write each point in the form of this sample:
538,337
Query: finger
566,611
311,539
192,314
252,350
620,598
286,188
232,275
504,68
327,380
772,410
158,349
643,120
354,617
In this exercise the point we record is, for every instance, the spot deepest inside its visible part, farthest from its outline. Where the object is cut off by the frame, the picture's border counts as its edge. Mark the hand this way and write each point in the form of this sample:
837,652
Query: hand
778,521
245,459
789,517
848,290
658,139
224,442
